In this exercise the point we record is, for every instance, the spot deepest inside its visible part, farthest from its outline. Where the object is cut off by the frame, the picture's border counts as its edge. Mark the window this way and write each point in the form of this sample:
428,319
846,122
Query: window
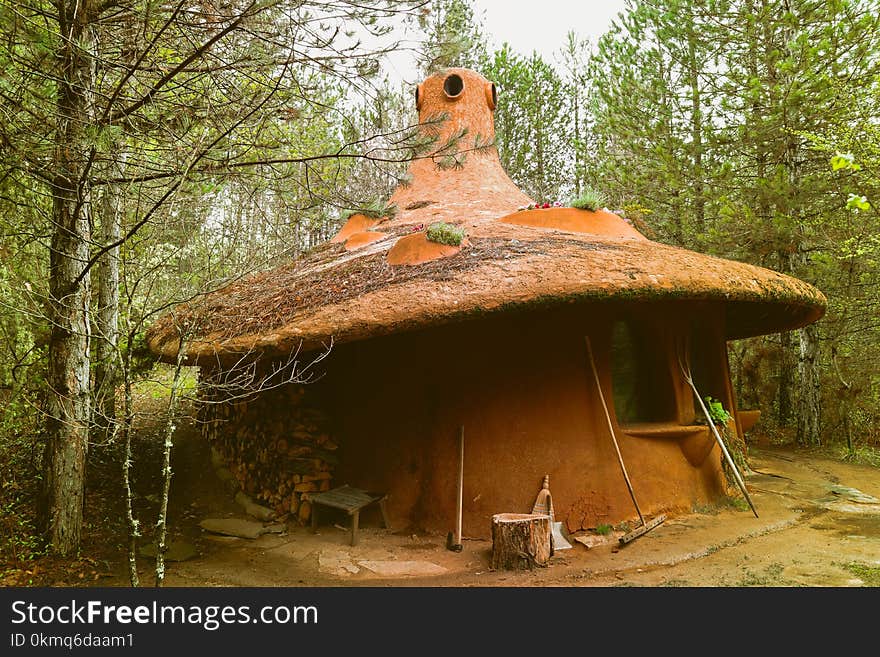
640,380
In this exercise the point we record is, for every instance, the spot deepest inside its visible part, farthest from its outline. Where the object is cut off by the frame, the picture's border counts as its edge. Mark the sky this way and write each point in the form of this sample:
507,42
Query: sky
542,25
528,25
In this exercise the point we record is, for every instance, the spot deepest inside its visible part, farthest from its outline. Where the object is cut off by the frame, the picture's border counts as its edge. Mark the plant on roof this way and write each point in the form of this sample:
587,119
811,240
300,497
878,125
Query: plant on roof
373,210
590,199
444,233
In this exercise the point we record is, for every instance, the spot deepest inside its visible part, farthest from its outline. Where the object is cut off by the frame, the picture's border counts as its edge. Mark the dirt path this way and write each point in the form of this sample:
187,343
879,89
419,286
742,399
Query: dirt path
819,526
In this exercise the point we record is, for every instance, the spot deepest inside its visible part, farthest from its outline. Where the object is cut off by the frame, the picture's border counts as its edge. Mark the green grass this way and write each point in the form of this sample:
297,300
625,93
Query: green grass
604,530
870,575
158,386
590,199
444,233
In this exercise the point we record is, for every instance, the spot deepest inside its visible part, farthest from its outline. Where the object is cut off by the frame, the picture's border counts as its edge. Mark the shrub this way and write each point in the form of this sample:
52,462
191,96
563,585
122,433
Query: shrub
590,199
444,233
716,411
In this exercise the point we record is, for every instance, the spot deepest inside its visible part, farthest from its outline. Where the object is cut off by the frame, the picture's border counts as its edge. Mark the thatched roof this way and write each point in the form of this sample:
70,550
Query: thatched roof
383,277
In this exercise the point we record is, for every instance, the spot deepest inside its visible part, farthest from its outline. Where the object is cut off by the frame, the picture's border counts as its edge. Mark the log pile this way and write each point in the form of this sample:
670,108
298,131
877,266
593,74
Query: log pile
276,444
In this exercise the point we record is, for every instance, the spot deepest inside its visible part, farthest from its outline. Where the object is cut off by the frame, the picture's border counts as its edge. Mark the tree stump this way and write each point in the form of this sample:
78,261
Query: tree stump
520,541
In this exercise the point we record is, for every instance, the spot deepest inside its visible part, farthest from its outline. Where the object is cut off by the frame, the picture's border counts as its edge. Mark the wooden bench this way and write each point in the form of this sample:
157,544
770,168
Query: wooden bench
351,500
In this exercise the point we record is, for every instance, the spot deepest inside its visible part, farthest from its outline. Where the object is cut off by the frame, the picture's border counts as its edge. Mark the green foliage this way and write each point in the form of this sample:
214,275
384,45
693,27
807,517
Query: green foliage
717,411
844,161
454,36
604,529
857,202
869,574
444,233
589,199
373,210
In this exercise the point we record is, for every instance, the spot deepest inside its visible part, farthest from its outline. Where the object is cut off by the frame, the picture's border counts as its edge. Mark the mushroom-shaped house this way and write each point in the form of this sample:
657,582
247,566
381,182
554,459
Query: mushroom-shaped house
549,338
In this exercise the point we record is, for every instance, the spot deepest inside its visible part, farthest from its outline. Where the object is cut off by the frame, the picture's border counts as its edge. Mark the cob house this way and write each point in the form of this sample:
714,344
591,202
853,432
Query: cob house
497,337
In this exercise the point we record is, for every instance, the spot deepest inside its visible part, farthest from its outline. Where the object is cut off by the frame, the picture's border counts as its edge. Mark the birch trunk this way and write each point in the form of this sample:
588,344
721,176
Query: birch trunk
170,427
809,415
134,532
106,332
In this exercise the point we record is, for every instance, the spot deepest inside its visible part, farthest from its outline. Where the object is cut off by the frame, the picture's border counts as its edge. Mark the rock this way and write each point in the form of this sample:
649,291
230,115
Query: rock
233,527
174,551
590,541
337,563
252,508
854,495
402,568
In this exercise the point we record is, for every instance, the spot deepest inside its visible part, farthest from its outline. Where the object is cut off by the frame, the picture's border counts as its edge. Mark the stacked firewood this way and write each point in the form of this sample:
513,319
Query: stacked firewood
276,444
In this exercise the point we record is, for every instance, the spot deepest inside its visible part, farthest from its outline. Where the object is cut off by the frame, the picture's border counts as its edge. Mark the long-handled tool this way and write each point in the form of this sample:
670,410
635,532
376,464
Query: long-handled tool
646,526
684,364
454,543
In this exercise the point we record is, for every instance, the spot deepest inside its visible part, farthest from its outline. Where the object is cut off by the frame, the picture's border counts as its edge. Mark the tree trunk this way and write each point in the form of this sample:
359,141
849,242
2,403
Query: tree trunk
170,428
785,381
809,429
68,404
520,541
106,334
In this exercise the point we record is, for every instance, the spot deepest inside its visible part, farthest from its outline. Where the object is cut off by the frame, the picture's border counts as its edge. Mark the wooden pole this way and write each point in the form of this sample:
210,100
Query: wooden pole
611,429
686,371
458,506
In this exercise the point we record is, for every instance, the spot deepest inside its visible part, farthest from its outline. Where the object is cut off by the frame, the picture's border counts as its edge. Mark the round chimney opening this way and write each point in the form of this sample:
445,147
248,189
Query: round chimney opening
453,85
491,95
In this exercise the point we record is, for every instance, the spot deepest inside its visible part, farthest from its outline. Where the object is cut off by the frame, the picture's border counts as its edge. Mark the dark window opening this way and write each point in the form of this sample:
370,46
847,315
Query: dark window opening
640,378
453,86
707,369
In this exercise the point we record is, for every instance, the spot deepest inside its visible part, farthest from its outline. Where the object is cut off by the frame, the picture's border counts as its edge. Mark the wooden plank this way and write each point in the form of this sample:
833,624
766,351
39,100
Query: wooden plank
345,497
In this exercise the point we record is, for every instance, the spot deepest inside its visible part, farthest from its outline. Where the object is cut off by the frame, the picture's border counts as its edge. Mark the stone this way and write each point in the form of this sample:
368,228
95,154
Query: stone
854,495
233,527
590,541
337,563
402,568
252,508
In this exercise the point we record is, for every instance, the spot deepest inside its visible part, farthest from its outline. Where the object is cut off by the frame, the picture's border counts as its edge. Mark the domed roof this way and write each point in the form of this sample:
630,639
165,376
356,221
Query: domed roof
379,277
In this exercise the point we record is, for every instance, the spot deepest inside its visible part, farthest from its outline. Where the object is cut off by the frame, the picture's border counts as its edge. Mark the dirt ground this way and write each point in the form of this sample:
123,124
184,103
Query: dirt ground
818,526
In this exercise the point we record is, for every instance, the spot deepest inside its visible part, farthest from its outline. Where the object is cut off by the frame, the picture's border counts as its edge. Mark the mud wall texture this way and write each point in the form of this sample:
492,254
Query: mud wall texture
522,389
